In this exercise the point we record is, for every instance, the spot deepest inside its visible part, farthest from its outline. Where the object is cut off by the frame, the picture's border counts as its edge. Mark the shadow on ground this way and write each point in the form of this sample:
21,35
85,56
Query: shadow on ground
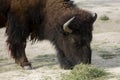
48,60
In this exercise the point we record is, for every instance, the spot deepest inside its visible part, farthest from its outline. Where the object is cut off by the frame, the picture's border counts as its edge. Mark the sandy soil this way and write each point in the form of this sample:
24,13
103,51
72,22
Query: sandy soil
106,40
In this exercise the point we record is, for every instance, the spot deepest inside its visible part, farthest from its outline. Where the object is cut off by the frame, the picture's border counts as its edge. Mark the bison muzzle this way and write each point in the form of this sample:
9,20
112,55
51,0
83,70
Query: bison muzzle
59,21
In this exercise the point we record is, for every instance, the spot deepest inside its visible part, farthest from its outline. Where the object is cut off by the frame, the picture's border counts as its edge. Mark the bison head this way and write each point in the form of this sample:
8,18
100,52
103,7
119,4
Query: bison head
70,28
74,43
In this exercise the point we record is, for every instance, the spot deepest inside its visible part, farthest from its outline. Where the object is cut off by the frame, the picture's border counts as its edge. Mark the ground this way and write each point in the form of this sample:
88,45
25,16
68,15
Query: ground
42,55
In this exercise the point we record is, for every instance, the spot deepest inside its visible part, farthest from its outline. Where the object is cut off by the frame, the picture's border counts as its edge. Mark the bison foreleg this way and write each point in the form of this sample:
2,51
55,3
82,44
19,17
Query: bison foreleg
18,53
17,32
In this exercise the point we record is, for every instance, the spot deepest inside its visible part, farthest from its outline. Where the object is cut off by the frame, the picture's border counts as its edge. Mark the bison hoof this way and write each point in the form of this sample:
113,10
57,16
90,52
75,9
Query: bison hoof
27,67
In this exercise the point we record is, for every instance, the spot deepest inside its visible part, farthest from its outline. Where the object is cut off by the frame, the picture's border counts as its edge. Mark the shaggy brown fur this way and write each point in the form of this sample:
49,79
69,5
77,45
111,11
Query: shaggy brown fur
3,21
44,19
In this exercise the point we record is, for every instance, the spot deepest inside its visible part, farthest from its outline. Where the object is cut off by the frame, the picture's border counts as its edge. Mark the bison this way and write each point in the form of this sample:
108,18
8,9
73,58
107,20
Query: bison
59,21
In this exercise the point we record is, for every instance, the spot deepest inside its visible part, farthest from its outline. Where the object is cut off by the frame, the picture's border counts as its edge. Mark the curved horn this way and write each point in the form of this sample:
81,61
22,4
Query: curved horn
94,15
65,26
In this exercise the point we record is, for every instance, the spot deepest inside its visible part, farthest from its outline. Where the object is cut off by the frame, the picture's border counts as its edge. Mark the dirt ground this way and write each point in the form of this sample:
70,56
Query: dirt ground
105,47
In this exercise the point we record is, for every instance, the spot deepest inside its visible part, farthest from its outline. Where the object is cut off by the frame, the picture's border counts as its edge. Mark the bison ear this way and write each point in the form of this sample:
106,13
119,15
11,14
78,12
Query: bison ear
66,25
94,15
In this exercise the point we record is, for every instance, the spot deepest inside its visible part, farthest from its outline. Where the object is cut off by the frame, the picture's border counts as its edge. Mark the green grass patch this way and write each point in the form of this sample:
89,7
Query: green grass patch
104,17
86,72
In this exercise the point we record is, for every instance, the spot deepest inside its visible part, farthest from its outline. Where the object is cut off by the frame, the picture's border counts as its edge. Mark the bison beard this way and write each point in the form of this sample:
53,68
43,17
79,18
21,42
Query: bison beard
59,21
